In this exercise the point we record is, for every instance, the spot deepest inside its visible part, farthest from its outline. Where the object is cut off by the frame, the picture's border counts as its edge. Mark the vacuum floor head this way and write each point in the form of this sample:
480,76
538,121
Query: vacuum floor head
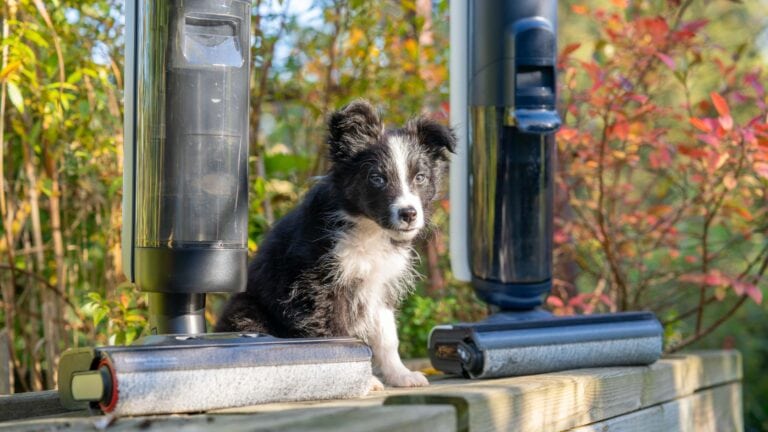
184,373
524,347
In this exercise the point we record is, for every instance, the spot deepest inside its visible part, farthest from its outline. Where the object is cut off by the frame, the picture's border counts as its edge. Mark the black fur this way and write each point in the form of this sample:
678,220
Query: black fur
291,289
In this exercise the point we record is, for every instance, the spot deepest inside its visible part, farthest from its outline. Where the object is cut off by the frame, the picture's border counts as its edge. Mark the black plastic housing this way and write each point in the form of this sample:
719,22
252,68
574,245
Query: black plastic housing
464,349
513,120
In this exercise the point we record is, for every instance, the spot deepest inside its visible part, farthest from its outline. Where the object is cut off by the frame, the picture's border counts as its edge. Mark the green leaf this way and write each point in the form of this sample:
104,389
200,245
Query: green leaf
134,317
285,164
36,38
75,77
14,94
99,315
84,108
130,335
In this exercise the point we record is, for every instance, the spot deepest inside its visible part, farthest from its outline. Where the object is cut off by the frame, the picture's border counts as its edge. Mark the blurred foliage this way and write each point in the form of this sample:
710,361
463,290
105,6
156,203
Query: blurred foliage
662,184
661,199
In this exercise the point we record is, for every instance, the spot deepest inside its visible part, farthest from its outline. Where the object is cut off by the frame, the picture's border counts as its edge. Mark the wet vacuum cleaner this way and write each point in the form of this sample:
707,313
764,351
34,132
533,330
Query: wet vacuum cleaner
185,226
503,103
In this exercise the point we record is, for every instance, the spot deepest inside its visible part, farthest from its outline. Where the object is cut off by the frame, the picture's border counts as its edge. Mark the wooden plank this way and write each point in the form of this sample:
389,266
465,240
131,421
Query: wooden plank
6,368
683,374
564,400
29,405
715,409
415,418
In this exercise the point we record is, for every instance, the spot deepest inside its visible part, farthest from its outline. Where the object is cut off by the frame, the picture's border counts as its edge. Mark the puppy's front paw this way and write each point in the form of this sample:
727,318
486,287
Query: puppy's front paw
407,379
375,385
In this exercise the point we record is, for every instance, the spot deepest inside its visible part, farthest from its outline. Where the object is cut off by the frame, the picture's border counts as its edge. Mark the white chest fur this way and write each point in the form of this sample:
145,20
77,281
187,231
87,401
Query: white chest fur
372,270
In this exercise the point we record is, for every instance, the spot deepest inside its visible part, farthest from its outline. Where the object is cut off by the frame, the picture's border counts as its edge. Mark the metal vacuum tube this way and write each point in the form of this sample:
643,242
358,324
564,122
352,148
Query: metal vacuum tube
185,202
512,125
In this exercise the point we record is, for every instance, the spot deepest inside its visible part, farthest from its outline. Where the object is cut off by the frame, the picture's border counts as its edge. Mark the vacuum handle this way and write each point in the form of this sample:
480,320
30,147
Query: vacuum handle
535,90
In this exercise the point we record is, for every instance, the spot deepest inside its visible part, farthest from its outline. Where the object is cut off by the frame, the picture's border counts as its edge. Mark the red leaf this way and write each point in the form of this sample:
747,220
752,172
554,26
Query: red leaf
669,61
619,130
660,158
576,301
692,151
656,27
696,278
720,105
690,29
700,124
560,237
726,122
755,293
709,139
569,49
579,9
555,301
753,79
745,288
715,278
595,73
696,25
567,133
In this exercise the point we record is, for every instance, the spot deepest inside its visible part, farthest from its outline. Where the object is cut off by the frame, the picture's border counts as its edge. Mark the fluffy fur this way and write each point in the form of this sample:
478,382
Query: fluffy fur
340,262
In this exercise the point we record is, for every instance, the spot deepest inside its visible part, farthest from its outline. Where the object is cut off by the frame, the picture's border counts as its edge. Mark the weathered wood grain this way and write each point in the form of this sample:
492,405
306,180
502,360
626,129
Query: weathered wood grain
564,400
417,418
715,409
30,405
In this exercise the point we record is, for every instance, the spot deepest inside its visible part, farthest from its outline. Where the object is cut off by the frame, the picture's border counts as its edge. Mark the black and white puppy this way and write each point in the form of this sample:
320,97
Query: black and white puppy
339,263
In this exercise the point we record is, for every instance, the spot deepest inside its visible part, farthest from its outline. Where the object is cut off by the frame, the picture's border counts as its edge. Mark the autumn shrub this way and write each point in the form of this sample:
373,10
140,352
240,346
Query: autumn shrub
662,183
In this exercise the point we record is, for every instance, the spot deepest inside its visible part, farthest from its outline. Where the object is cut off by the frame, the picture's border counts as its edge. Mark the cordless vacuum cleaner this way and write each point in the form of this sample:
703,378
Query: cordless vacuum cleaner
503,105
185,226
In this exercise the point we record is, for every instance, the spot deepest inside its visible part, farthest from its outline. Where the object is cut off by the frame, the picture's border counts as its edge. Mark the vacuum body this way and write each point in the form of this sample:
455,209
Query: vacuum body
185,209
512,125
185,227
504,94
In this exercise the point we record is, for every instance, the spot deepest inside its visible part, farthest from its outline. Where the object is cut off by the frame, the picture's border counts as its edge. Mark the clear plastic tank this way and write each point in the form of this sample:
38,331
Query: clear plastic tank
191,145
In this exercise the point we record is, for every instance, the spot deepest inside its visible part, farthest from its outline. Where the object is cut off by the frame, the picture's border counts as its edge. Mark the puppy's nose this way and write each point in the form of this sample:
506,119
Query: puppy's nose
407,214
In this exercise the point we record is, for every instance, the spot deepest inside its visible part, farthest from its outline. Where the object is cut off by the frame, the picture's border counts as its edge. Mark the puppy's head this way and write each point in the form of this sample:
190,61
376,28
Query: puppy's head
388,176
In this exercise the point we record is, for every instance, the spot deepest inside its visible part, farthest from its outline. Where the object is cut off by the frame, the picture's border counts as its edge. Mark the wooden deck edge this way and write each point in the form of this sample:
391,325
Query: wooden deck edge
574,398
28,405
715,409
417,418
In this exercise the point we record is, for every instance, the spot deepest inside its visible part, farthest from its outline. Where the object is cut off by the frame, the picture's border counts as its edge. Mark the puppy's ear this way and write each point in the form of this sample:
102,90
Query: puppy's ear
352,128
438,140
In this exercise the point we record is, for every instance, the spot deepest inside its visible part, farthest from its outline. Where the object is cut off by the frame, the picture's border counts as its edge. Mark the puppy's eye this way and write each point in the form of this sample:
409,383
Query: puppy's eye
377,180
420,178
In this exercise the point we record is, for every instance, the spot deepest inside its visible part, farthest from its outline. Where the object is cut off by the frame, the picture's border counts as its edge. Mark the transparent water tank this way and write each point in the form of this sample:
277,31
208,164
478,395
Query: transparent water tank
191,146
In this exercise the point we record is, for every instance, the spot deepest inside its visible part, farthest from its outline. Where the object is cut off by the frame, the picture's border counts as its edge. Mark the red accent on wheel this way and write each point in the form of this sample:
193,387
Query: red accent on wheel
113,399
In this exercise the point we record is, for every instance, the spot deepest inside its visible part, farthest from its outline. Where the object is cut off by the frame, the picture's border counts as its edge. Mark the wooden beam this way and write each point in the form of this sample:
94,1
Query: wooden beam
715,409
30,405
559,401
426,418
